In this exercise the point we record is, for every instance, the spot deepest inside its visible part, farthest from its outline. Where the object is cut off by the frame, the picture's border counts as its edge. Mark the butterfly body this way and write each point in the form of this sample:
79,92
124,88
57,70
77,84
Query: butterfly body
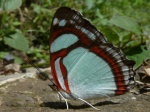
84,65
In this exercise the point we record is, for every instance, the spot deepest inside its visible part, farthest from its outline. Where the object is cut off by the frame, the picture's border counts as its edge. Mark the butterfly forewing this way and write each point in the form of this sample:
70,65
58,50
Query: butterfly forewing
67,21
84,65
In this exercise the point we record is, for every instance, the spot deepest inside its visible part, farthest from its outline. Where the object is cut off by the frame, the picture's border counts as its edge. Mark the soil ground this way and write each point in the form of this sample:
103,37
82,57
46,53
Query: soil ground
34,95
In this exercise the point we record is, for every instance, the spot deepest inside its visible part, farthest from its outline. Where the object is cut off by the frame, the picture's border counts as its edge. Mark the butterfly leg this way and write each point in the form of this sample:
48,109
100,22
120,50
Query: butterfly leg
60,98
88,103
64,99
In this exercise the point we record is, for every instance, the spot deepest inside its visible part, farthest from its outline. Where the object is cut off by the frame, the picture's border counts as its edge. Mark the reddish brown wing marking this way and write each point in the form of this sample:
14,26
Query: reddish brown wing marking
86,42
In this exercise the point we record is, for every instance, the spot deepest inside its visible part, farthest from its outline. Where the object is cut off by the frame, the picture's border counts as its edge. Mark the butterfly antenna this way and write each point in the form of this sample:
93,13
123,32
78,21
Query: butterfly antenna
41,74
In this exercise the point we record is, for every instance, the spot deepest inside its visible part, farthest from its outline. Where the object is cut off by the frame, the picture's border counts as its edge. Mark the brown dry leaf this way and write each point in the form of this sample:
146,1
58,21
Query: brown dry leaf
147,70
12,68
147,93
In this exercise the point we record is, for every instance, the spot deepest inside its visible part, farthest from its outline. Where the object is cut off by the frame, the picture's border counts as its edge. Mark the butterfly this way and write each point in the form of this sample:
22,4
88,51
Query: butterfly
84,64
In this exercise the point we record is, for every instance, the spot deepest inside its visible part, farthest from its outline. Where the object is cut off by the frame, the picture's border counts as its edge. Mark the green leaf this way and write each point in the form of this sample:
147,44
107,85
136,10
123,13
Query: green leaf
140,57
148,44
111,35
36,8
126,23
9,5
125,40
18,60
17,41
89,3
3,54
16,23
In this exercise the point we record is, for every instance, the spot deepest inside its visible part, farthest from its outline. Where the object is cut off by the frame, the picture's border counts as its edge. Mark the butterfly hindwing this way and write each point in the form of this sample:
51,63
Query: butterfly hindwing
84,65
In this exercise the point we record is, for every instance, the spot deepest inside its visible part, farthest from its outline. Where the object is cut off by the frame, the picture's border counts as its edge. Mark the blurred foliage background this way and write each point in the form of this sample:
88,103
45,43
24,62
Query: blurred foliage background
25,26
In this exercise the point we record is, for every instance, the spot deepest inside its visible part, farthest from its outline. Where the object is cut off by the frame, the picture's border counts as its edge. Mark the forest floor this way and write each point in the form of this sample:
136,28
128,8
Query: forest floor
28,94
